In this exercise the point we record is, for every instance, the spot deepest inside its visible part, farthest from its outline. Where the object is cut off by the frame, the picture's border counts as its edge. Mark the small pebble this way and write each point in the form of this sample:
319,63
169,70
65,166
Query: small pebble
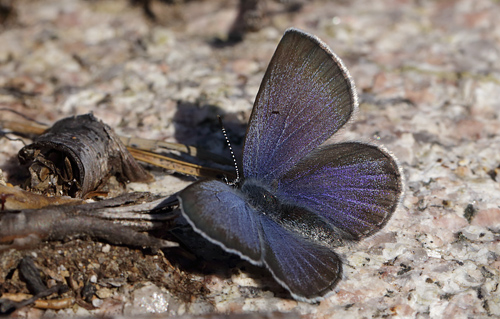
97,303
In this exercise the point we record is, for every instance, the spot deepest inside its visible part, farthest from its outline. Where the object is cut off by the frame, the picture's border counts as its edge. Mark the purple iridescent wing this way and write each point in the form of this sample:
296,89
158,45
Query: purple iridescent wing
308,270
354,186
305,97
221,214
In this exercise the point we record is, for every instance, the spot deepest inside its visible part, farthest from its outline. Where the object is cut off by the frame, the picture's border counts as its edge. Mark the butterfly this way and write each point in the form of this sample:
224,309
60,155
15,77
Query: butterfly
299,199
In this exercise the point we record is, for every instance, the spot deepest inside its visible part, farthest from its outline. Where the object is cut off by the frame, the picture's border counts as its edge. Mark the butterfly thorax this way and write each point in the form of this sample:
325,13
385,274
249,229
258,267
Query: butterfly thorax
261,199
296,219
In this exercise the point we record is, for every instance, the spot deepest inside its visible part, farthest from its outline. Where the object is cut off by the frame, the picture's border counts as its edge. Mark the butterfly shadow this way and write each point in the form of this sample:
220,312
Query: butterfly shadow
197,124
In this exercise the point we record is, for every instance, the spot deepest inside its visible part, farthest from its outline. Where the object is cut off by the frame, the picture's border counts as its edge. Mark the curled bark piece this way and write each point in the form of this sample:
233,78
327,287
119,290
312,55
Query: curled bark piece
77,155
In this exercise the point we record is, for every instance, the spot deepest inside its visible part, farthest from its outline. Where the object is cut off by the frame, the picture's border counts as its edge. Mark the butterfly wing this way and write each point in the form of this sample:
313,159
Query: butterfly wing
220,214
355,186
306,95
308,270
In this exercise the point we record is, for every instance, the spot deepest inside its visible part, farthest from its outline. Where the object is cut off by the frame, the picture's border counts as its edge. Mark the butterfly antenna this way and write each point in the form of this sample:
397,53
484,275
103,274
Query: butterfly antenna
232,153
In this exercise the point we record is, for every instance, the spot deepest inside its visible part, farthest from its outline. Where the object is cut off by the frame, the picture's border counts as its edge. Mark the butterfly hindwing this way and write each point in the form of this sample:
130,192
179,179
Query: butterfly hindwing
306,269
355,186
306,96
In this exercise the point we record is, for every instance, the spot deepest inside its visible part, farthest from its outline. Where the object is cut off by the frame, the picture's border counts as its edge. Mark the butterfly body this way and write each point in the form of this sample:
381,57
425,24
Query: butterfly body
295,219
261,199
298,199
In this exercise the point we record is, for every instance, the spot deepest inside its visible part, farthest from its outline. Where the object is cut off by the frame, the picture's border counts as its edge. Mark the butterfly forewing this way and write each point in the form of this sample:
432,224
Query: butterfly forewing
221,214
306,96
355,186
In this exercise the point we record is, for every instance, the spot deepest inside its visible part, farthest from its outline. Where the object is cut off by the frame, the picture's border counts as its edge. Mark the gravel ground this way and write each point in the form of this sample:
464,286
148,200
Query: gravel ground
428,77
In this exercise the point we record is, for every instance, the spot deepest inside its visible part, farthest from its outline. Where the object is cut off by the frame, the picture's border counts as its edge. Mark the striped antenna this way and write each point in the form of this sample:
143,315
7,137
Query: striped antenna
237,180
